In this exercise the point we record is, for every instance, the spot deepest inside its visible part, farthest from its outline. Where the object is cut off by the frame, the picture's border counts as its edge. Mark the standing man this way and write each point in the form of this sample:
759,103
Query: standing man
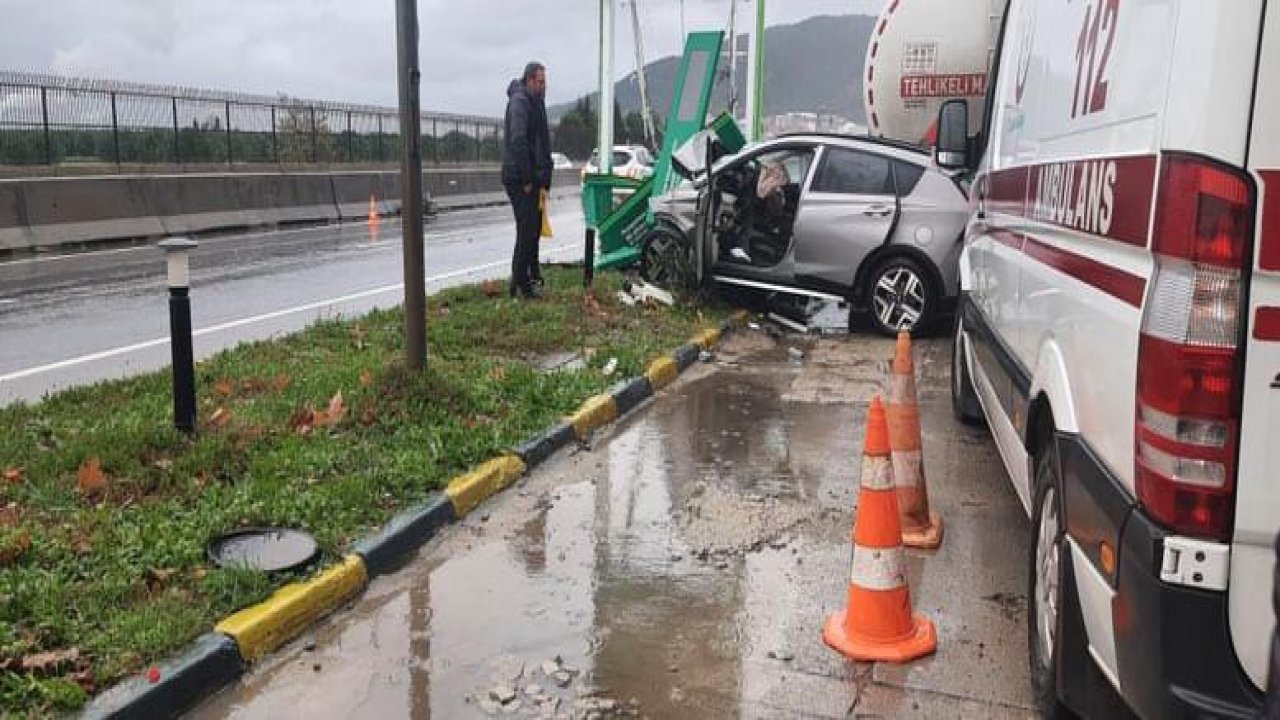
526,171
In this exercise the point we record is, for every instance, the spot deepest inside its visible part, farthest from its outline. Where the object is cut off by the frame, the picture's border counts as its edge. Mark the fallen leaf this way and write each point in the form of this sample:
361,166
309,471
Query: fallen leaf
90,478
498,373
46,662
336,409
84,678
358,333
319,418
224,387
157,578
199,573
282,382
366,378
491,288
254,385
14,474
220,417
14,548
368,417
303,420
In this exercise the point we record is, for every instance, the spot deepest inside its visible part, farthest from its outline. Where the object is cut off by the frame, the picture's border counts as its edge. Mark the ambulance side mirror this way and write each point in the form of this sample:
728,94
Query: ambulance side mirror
952,151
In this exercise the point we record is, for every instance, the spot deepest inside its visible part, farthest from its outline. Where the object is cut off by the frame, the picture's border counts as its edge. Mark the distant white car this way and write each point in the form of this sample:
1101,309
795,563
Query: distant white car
560,161
633,161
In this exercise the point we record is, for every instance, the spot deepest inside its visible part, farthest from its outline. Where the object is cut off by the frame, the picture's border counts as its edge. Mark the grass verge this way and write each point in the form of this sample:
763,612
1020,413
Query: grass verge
105,510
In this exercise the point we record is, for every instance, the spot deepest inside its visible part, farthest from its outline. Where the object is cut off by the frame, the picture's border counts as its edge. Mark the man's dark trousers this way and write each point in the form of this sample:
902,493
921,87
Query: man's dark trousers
524,259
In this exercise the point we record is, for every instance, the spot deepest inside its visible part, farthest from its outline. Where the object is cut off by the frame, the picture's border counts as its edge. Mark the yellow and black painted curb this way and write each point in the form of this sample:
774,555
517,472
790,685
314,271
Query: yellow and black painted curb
218,658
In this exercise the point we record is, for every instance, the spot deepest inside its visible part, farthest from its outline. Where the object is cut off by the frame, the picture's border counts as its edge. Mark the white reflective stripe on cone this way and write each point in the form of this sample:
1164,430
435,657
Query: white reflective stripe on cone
902,389
906,468
877,473
877,568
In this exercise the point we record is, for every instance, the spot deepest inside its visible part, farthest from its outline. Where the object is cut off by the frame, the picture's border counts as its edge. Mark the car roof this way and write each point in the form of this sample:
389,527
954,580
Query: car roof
893,148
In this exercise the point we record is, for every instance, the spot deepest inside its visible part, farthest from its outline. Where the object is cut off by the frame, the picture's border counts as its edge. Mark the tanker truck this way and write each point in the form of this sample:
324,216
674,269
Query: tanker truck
923,52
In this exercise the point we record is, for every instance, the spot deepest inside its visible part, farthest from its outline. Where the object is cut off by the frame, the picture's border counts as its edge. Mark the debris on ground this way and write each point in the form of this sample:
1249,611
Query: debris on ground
610,367
641,292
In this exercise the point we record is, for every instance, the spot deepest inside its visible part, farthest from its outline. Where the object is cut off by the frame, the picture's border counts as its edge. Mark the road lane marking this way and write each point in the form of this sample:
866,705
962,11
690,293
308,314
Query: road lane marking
232,324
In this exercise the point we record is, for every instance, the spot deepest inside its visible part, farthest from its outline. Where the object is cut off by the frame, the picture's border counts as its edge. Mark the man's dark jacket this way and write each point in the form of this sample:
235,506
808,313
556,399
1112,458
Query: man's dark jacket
526,154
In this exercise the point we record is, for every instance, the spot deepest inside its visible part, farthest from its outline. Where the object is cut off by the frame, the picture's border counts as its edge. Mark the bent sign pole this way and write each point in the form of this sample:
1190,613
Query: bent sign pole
415,291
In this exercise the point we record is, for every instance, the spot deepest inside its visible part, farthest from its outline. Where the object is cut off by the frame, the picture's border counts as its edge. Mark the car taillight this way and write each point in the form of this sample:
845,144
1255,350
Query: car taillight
1190,369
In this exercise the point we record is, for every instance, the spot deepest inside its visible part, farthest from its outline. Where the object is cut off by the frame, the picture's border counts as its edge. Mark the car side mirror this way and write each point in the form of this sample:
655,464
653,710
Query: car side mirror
952,151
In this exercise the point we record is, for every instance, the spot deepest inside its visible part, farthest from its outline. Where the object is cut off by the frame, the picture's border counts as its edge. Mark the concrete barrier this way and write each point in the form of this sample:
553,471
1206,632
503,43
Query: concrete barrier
352,191
64,212
50,212
275,199
14,233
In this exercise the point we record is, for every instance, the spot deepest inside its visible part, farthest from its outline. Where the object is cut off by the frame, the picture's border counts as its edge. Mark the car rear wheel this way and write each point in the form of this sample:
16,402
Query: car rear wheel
901,296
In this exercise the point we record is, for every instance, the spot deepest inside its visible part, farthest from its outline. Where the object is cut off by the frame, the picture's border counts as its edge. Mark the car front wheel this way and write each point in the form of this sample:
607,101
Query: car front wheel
1045,591
664,256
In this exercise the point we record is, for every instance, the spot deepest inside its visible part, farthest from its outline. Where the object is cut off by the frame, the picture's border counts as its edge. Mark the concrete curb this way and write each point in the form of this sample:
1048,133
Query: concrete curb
404,533
207,665
261,628
218,658
537,450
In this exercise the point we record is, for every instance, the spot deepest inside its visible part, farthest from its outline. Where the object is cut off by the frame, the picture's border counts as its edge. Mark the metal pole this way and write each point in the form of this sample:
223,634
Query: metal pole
479,145
379,142
275,144
184,373
315,155
228,115
755,77
646,114
177,151
604,136
351,152
415,297
589,258
115,129
733,57
44,114
435,142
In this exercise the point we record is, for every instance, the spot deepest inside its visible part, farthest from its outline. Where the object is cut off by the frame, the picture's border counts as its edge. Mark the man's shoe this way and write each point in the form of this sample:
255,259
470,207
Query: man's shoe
533,293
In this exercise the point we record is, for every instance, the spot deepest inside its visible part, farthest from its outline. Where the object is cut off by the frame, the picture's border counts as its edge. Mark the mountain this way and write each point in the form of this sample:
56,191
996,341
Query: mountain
814,65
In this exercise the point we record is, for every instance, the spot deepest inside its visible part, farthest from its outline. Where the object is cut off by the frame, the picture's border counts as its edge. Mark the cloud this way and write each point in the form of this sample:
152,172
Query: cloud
342,50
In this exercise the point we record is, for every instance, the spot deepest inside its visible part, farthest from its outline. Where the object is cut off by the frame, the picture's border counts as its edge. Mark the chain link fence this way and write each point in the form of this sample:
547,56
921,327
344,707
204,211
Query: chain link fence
52,120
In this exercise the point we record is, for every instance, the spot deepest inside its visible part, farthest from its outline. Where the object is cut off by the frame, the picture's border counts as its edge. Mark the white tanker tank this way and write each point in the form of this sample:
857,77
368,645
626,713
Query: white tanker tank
923,52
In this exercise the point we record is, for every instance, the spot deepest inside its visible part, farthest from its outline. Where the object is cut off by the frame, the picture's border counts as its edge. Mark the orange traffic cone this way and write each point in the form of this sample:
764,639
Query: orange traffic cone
373,212
920,528
877,623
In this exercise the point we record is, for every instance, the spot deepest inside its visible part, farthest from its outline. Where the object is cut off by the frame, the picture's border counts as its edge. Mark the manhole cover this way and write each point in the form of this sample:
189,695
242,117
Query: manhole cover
263,548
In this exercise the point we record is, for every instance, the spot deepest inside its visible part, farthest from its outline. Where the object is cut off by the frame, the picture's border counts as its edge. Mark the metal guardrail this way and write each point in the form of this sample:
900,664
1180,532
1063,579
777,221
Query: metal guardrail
53,120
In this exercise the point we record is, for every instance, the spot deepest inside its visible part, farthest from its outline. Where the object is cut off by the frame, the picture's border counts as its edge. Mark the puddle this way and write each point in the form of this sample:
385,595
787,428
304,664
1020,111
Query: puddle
683,568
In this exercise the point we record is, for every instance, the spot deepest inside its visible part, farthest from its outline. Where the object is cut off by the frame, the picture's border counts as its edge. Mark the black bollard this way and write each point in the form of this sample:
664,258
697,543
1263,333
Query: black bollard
184,368
589,259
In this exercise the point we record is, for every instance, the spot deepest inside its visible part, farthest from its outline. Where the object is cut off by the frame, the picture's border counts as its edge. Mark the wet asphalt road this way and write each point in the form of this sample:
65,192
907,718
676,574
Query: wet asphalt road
682,566
78,318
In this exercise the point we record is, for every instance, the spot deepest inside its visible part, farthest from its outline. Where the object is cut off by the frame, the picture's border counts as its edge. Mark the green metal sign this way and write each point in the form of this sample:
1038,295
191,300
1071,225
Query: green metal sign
620,220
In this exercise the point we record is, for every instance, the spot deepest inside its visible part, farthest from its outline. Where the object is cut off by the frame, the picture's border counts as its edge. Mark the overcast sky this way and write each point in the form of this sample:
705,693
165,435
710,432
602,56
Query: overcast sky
345,49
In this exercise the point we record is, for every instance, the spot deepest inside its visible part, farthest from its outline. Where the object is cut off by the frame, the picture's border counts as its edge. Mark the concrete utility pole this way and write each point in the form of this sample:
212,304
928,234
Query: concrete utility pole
604,139
415,291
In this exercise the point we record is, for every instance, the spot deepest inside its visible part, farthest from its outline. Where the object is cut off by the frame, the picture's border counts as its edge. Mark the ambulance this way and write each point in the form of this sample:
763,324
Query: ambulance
1119,333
